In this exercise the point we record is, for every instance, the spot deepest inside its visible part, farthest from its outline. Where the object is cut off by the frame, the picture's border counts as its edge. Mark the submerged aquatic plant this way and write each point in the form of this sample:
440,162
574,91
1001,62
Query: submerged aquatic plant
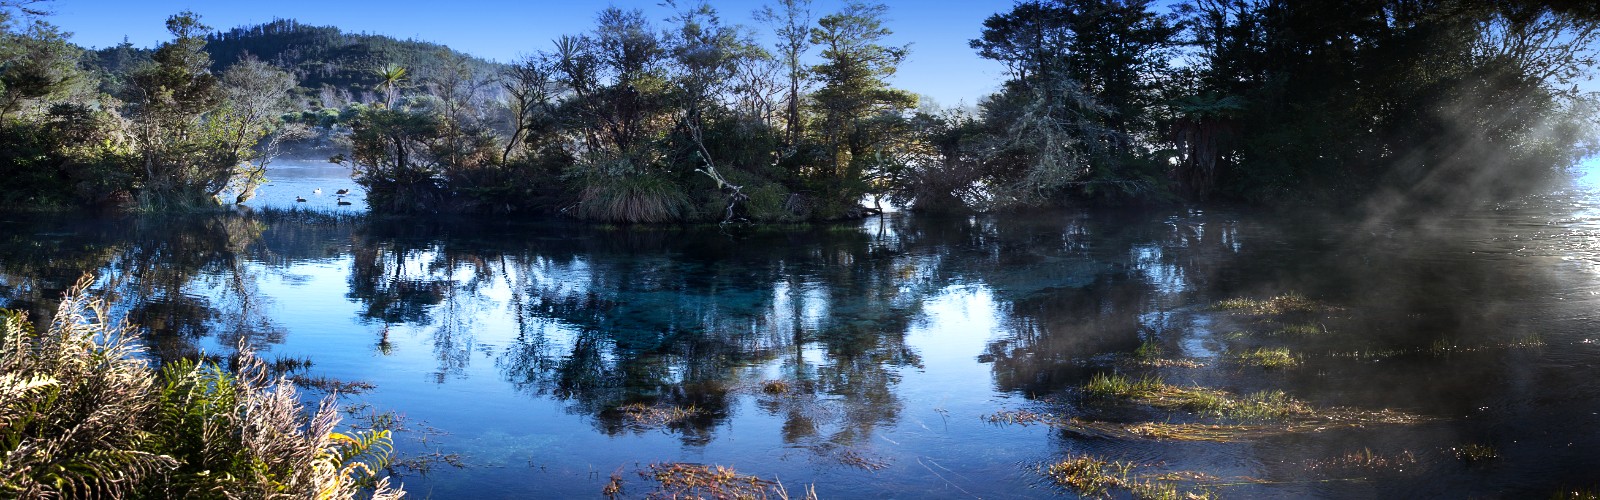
1365,459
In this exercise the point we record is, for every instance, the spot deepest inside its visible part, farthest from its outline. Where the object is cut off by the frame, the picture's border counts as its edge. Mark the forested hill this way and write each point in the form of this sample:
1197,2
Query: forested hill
318,55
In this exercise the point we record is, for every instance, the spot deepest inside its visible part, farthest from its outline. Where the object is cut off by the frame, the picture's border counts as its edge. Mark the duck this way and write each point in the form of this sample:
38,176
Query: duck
342,202
342,192
299,199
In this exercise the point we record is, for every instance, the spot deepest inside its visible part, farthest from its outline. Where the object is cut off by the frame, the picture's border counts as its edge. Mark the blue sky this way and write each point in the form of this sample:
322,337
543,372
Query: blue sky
940,66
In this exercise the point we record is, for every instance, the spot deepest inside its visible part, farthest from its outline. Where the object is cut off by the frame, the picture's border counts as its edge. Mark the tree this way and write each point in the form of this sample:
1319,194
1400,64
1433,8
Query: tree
530,96
171,96
36,65
255,94
853,91
390,78
792,24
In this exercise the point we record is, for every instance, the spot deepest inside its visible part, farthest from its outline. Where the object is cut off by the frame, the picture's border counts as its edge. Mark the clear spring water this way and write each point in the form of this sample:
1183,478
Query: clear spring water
512,347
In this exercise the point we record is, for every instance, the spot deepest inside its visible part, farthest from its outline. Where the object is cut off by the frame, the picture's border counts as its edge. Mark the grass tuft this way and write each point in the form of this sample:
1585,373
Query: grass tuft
1091,476
1256,407
1276,357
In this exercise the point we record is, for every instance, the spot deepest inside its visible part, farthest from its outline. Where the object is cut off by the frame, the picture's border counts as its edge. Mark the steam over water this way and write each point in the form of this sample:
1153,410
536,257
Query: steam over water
543,357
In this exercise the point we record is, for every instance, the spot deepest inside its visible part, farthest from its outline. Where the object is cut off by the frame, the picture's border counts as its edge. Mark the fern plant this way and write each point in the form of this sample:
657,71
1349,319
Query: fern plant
83,416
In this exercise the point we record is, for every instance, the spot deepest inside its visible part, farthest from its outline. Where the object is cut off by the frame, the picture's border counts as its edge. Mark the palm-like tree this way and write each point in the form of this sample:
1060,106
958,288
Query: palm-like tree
389,78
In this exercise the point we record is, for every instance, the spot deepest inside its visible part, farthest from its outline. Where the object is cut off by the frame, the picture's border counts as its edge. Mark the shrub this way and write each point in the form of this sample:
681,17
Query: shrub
82,415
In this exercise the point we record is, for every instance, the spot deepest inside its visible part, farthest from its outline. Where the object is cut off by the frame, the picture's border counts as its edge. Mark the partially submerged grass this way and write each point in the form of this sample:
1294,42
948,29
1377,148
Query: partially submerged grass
1283,304
1591,493
684,480
1266,405
1019,417
1259,406
644,415
1265,357
1300,330
1091,476
1443,346
1216,433
1365,459
1475,452
1150,354
331,385
774,387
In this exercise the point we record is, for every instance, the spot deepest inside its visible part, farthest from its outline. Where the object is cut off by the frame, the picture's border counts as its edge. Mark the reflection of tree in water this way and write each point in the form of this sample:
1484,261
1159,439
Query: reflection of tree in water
182,278
686,321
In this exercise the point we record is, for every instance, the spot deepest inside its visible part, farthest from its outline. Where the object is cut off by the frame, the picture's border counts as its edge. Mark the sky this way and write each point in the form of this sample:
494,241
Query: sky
941,65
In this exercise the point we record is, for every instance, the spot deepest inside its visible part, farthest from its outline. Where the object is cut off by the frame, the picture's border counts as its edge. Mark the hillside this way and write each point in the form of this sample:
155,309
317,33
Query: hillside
318,55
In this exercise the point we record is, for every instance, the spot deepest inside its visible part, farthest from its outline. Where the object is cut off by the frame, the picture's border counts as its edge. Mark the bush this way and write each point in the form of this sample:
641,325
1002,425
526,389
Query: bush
82,415
632,198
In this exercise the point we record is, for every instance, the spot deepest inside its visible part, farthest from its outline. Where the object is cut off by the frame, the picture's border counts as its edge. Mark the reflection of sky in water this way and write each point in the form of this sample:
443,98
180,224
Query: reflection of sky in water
906,332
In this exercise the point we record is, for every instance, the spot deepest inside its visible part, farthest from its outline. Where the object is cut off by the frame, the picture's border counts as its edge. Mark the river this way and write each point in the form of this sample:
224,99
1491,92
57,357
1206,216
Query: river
899,356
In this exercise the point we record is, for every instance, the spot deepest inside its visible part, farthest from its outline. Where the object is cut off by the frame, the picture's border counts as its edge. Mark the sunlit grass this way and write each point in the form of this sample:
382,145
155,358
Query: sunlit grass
1300,330
1274,357
1283,304
685,480
1150,354
1258,406
1091,476
1209,402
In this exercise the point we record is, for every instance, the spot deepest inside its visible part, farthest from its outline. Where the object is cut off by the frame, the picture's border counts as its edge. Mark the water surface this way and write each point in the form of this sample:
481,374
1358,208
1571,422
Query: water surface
516,347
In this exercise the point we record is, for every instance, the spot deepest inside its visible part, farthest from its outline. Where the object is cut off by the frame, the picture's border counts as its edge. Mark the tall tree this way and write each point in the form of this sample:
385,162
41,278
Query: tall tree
171,96
791,22
853,73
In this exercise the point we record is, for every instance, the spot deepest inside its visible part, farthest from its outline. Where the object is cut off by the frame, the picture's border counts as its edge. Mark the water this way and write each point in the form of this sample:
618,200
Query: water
511,347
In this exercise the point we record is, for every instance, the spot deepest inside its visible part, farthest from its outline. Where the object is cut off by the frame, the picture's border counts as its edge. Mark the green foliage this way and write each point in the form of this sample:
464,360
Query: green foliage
632,198
71,400
82,416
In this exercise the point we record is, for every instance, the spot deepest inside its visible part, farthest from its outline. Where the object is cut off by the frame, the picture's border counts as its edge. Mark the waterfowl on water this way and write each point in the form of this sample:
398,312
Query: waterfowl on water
342,191
299,199
316,191
342,202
